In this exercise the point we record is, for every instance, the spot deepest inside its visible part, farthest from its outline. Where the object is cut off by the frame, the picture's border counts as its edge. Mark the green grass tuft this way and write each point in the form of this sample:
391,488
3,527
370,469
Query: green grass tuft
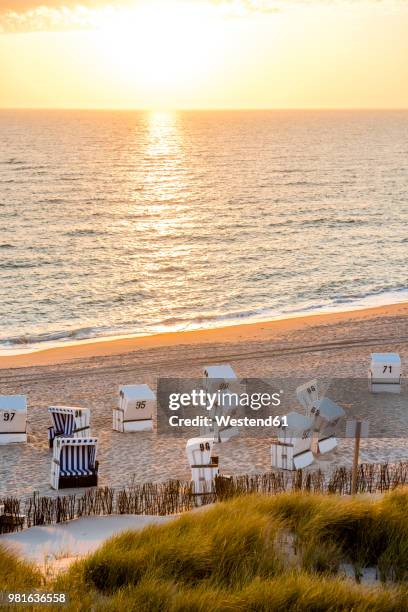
252,553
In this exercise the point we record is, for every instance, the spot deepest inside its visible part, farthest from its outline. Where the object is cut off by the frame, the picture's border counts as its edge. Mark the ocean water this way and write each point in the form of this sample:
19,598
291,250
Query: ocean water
118,223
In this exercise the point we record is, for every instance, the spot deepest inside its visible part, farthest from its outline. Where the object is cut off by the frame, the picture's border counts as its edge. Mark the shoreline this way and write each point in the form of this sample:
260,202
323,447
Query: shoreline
241,333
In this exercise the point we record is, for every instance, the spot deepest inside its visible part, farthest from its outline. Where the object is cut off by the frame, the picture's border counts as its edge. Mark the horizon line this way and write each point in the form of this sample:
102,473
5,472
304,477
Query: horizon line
198,109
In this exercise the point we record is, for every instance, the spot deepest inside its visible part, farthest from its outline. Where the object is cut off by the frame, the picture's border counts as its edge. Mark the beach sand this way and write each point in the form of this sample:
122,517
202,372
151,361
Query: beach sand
54,547
88,374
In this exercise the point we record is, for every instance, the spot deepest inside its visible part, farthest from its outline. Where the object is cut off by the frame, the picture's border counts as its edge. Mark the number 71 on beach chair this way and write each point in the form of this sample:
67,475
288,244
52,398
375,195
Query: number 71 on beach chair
384,375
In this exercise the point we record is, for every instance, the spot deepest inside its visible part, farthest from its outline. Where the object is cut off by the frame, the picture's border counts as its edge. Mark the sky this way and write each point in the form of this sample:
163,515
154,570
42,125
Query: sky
199,54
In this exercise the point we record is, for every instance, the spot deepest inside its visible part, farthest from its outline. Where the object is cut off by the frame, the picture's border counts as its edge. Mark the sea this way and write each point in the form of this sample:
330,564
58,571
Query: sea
120,223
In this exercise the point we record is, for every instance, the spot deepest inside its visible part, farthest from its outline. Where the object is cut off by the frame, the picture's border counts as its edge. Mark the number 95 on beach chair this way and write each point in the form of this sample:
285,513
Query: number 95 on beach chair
135,409
68,422
74,463
13,419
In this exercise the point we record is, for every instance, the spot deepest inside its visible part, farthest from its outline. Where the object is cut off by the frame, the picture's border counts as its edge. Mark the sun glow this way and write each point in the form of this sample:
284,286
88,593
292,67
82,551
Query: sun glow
197,54
160,45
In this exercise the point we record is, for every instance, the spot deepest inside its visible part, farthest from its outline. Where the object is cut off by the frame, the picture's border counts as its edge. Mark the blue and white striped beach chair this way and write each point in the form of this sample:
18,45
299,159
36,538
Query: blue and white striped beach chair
69,421
74,463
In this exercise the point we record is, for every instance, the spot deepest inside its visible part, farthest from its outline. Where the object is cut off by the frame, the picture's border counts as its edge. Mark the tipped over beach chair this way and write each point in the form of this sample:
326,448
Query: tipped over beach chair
384,375
326,415
74,463
13,419
204,465
307,394
69,421
292,448
135,409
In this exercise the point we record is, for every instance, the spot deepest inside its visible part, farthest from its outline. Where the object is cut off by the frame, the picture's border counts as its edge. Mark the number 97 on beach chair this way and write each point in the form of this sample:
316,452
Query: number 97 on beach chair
13,419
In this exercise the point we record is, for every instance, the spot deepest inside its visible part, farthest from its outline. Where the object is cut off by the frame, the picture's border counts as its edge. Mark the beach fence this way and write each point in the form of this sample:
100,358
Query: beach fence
176,497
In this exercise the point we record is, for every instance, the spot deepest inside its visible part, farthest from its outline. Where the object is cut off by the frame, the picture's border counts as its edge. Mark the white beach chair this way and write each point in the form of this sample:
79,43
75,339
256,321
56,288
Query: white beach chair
223,380
69,421
135,409
204,465
326,415
13,419
384,375
74,463
292,449
307,394
219,377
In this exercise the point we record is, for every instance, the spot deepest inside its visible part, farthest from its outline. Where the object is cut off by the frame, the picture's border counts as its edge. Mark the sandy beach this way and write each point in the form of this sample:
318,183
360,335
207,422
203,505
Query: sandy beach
88,374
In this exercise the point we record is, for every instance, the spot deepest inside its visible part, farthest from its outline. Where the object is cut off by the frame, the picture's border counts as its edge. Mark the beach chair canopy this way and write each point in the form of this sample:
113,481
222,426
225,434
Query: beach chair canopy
18,403
307,394
69,421
13,414
385,366
327,410
199,451
135,393
223,371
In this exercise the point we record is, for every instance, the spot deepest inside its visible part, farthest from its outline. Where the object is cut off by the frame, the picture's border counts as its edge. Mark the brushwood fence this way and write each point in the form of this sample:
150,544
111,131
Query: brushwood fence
175,496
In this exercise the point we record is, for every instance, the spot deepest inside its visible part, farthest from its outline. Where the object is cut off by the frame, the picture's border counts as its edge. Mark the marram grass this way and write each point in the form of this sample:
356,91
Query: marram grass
254,552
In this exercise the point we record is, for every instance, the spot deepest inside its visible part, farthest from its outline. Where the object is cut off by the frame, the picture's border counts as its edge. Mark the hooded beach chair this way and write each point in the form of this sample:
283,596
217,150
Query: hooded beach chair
384,375
74,463
69,421
292,448
204,465
307,394
221,379
13,419
326,414
135,409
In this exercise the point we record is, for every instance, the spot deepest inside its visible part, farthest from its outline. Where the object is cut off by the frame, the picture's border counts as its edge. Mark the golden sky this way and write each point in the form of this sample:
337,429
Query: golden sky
204,53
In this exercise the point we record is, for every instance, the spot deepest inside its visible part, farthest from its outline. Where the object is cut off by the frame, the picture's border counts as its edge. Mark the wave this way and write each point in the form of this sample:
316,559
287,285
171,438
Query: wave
82,333
84,232
208,320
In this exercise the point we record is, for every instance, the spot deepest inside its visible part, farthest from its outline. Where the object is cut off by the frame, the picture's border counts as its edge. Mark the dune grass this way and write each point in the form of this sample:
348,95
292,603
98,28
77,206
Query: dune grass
252,553
16,574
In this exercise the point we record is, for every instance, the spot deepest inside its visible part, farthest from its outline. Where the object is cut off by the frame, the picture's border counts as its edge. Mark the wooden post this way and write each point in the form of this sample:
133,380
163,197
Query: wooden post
355,460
